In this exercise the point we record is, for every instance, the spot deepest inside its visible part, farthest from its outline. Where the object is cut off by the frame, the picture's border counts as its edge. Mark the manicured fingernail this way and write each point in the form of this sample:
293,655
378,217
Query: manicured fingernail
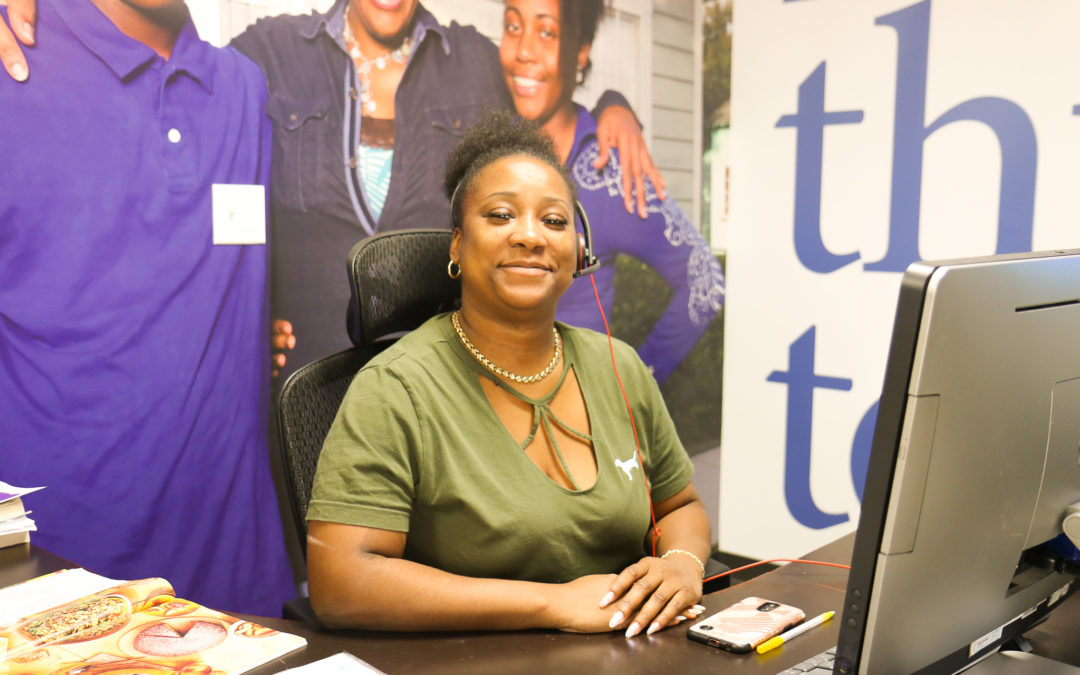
699,608
653,627
680,618
616,619
28,31
292,341
633,630
18,71
606,600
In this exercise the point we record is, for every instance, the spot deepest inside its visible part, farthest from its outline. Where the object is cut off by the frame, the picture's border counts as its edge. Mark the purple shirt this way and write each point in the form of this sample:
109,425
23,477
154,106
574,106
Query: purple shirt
666,241
133,351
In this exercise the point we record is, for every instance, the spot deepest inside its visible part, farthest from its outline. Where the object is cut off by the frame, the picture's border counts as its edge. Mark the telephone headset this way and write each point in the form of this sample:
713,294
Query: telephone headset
587,263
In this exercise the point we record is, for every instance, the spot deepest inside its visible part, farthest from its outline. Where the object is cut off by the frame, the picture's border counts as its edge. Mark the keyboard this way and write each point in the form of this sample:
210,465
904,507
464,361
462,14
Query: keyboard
815,665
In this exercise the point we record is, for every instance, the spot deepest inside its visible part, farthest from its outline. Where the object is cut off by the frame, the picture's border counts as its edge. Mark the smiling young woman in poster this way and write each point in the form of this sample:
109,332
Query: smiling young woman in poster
545,55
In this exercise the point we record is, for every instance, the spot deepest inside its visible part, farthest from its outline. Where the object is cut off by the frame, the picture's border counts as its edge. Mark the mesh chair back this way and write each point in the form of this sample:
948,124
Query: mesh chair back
306,407
398,281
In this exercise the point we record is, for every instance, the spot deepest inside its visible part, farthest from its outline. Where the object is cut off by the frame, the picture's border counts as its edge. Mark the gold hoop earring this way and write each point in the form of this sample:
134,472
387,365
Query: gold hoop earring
450,269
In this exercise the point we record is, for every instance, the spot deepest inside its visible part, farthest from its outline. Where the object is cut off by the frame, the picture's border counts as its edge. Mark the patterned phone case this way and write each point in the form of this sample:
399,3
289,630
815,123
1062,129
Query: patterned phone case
746,624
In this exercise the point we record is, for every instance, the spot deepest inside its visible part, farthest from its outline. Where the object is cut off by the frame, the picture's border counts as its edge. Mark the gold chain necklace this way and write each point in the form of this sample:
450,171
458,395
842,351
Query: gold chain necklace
364,64
486,362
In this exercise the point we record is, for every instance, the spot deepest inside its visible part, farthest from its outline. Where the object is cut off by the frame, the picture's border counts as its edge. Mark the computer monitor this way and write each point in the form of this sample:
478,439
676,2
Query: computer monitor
974,462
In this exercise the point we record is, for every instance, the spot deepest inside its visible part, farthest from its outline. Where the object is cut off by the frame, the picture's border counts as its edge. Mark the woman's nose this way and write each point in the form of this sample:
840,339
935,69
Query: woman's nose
525,49
527,231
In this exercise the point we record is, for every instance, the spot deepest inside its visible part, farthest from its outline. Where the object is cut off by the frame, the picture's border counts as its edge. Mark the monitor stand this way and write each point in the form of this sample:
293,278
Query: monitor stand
1019,663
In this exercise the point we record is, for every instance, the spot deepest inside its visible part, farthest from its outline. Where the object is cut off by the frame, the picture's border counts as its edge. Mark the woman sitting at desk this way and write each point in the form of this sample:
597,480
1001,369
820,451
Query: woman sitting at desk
454,493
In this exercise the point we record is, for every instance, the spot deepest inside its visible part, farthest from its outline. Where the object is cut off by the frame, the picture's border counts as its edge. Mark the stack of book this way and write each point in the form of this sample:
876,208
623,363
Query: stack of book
15,525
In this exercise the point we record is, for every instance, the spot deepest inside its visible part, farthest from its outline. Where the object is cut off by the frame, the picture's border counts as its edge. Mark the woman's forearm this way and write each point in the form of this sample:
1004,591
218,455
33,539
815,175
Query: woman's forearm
352,587
684,526
394,594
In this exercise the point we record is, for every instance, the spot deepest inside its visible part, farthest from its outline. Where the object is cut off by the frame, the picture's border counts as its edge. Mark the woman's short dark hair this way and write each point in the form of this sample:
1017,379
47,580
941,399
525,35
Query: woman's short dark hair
578,21
498,134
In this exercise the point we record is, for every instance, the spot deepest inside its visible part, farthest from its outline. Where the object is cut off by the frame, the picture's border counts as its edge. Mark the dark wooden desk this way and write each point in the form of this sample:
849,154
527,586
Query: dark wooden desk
813,588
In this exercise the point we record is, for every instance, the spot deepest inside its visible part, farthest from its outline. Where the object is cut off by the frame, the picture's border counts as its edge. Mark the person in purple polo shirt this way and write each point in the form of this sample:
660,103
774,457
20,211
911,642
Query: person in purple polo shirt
133,312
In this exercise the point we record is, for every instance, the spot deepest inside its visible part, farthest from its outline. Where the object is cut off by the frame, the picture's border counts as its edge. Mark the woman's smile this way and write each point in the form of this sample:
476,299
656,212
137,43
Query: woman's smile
526,267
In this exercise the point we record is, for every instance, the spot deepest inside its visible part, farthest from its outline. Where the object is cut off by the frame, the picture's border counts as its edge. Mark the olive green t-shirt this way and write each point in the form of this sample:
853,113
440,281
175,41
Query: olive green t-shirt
417,447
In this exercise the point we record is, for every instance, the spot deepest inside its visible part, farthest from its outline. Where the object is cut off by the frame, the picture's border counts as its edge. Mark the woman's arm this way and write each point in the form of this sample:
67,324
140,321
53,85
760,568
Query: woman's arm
618,127
670,244
357,579
654,591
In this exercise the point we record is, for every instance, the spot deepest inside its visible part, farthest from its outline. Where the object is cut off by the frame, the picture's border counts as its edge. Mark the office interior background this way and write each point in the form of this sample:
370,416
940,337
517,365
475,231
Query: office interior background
860,136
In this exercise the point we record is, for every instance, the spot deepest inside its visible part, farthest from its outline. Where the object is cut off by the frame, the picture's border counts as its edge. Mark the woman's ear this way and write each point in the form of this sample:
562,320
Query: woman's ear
583,57
455,244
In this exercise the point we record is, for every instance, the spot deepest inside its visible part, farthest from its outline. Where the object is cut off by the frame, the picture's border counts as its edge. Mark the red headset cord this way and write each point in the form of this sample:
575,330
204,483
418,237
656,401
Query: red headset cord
641,463
633,426
775,560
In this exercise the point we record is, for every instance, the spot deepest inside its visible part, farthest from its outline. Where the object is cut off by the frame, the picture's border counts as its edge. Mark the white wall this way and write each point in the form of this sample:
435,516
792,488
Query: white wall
815,319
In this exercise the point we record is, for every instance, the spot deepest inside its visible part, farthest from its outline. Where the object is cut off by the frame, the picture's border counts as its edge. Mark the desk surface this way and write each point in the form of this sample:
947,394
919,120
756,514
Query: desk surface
813,588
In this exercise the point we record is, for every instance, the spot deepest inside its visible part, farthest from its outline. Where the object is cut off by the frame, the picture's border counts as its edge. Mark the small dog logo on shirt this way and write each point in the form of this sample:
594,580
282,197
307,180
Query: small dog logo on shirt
627,465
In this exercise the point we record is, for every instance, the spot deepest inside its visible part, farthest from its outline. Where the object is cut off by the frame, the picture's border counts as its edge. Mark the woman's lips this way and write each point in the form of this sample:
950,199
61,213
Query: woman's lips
525,268
525,86
387,5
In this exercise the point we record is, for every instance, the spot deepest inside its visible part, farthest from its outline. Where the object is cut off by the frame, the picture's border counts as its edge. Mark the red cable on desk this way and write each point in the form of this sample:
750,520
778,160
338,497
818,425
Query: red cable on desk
775,560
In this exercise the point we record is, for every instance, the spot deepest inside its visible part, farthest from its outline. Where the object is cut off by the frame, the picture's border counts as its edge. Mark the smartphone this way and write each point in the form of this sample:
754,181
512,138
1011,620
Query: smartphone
746,624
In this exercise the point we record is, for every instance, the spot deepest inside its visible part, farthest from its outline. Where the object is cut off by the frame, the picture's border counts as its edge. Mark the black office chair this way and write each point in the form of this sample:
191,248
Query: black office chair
398,281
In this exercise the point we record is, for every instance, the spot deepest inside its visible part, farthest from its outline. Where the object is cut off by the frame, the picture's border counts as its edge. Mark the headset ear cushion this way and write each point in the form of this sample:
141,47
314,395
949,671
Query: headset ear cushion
581,263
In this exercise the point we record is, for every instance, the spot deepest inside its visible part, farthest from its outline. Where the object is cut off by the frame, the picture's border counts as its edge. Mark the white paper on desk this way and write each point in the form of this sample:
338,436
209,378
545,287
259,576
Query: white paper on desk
342,663
8,491
19,524
46,592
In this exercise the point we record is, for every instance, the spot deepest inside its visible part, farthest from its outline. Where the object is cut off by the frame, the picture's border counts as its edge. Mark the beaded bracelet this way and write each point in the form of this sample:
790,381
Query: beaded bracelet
696,559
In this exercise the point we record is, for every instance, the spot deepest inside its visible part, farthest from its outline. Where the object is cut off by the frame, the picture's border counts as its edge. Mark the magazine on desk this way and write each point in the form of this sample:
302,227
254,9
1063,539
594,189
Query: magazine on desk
131,627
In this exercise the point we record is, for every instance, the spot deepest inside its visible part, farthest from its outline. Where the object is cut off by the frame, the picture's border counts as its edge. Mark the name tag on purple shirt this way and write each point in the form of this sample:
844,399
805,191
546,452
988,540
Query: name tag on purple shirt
239,213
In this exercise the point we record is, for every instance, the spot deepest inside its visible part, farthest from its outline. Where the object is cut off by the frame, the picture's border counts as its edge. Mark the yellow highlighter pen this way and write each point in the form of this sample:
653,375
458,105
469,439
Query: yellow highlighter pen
775,642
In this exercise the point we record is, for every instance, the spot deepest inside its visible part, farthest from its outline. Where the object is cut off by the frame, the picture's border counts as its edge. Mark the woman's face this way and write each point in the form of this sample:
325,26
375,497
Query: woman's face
529,53
516,243
385,21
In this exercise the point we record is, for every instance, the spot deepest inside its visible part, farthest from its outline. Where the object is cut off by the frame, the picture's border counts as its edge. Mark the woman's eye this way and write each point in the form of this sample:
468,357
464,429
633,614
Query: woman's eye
499,215
557,221
511,27
548,34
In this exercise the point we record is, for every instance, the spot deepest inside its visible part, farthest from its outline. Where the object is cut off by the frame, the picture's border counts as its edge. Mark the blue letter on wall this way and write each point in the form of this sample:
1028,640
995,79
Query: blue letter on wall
1016,203
801,381
810,122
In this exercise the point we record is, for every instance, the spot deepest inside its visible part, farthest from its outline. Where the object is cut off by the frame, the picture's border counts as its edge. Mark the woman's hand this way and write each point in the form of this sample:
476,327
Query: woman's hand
281,341
618,127
652,593
575,607
22,14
